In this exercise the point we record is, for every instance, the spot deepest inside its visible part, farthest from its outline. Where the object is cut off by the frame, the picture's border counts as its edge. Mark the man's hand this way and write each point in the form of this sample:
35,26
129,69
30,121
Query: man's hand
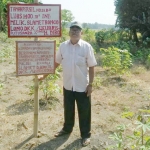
88,90
42,77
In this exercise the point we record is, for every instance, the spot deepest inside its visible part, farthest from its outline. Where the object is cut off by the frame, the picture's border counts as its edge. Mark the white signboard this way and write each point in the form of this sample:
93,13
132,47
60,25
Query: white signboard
34,20
35,57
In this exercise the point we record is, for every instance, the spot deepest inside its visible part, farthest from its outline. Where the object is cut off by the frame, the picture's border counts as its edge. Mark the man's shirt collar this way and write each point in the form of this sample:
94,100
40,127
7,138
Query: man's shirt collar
79,42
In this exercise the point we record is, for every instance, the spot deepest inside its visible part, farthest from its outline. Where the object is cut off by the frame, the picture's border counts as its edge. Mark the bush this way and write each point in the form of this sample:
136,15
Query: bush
148,62
116,60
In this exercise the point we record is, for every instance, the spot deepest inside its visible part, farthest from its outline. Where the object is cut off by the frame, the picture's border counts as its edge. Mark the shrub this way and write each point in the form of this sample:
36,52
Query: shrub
148,62
48,86
116,60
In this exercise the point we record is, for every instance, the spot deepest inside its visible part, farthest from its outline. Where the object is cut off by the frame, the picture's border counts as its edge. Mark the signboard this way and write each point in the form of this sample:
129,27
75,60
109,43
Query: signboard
34,20
35,57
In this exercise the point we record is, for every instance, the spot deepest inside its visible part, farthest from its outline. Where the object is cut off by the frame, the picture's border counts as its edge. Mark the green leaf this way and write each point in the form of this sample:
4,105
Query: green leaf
143,126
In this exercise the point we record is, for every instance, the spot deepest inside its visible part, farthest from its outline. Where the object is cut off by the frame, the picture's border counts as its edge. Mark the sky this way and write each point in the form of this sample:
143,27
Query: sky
88,11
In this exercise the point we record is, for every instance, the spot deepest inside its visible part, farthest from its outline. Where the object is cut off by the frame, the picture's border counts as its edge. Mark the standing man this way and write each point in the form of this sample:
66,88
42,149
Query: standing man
78,61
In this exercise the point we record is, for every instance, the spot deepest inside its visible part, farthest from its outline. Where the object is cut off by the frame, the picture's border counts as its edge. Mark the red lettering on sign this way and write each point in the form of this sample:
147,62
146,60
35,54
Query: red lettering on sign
35,58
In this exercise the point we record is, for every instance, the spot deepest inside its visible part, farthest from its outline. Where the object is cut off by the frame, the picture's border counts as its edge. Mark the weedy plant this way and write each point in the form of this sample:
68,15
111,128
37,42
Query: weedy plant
6,53
115,60
1,87
142,54
134,136
148,62
3,37
97,82
48,86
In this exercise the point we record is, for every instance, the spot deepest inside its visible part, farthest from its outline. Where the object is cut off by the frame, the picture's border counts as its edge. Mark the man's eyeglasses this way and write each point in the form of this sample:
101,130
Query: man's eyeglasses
75,31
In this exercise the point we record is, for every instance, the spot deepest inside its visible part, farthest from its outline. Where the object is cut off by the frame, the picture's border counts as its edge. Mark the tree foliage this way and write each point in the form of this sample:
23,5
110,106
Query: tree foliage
97,26
133,14
66,17
3,11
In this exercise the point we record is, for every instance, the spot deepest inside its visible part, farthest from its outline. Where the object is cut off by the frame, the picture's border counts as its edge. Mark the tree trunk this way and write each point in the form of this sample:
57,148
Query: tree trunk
130,35
135,36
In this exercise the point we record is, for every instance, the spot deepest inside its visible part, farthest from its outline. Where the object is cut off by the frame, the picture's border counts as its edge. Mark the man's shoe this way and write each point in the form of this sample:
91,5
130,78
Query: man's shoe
61,133
86,141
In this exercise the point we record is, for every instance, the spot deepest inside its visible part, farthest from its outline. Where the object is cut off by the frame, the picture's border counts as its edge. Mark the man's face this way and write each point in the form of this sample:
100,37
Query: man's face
75,33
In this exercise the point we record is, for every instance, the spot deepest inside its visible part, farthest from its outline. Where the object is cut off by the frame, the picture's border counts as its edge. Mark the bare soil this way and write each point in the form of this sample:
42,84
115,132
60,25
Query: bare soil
110,98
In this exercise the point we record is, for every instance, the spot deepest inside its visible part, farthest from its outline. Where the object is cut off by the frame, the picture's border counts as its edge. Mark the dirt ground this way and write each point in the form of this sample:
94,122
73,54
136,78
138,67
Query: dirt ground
110,98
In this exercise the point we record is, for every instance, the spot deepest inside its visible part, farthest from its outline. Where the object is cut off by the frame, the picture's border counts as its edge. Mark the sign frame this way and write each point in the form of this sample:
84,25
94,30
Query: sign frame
33,42
41,28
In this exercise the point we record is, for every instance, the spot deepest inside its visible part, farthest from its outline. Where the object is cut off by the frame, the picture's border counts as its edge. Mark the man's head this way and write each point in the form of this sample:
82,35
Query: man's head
75,31
76,24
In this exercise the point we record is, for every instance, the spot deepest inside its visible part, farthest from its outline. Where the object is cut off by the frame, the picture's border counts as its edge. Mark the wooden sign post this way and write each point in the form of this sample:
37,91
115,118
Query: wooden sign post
33,58
36,106
36,100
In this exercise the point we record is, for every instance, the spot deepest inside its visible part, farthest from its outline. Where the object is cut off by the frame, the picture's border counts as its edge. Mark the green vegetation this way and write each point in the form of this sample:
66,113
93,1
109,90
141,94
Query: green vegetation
1,87
3,12
134,16
116,60
49,87
135,135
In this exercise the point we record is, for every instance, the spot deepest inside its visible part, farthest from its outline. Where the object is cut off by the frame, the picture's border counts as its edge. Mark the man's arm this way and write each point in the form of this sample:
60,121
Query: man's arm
41,77
56,65
91,75
91,78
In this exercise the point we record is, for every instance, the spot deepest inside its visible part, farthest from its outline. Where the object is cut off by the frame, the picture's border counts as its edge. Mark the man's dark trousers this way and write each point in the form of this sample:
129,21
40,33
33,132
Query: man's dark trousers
84,112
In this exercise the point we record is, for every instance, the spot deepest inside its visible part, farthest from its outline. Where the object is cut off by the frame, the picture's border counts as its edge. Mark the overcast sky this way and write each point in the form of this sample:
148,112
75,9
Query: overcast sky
89,11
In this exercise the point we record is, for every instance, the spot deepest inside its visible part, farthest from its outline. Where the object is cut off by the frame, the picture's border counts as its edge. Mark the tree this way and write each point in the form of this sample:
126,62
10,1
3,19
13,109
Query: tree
3,11
134,15
66,17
